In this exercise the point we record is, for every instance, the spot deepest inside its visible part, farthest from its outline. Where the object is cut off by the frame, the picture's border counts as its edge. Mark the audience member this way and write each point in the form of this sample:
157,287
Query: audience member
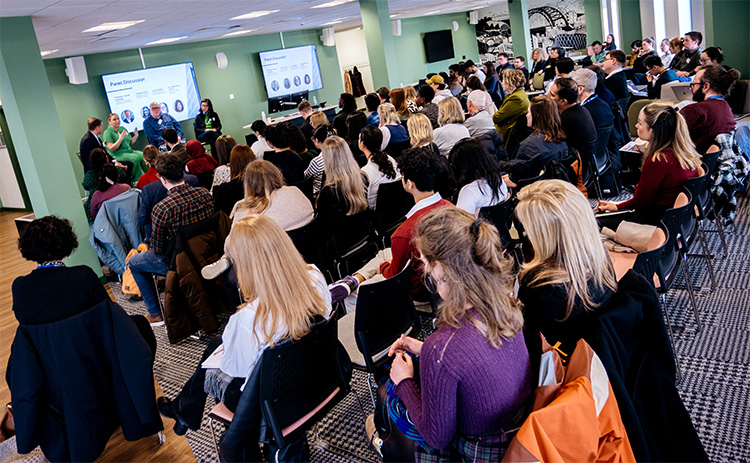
199,162
597,54
155,124
317,119
229,193
666,53
473,70
472,84
297,141
150,152
90,183
277,309
118,142
260,147
172,144
421,133
712,55
616,81
657,76
609,43
570,274
371,104
207,125
224,146
151,195
183,205
452,128
554,54
410,93
315,169
520,64
479,120
344,190
441,90
604,93
675,48
563,68
639,66
502,63
492,83
266,193
579,127
347,105
354,125
305,109
90,141
380,167
514,105
690,58
398,100
384,95
637,47
670,160
394,134
457,80
289,162
545,143
711,115
427,107
539,58
478,346
477,176
108,188
600,111
421,169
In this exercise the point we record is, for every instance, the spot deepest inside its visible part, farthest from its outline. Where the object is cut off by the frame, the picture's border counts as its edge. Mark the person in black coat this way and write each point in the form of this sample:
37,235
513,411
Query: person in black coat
579,127
657,76
79,366
616,81
600,111
207,124
289,163
90,141
348,105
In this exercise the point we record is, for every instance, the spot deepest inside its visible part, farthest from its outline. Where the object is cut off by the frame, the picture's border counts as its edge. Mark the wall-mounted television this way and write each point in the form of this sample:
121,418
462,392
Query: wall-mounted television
291,70
131,93
438,45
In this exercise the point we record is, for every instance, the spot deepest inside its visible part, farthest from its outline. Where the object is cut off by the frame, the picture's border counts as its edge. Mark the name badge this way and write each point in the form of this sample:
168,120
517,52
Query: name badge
688,60
159,121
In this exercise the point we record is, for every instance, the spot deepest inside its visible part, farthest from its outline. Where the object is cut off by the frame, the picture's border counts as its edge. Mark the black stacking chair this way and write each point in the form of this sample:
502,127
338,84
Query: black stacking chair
391,206
710,159
600,163
307,241
352,243
528,181
294,385
501,216
385,311
699,191
306,187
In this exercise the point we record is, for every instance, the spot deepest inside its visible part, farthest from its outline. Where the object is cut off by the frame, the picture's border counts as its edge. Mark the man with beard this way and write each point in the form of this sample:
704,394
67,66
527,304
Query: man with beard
711,115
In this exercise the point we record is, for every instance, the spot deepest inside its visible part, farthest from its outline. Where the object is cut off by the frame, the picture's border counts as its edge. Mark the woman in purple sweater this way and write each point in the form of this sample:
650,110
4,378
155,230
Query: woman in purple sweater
475,371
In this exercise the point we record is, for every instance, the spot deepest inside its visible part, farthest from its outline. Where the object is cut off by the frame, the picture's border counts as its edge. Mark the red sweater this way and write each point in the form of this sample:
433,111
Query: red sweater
148,177
661,182
403,249
706,120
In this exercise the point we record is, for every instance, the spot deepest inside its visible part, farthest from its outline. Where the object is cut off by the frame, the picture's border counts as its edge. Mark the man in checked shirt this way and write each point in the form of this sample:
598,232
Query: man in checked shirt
183,205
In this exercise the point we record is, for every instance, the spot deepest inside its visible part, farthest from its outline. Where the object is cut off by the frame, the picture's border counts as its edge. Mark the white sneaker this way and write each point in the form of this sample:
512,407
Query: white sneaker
212,271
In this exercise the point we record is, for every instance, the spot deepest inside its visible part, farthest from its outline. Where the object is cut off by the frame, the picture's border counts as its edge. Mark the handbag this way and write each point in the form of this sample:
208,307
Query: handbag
7,426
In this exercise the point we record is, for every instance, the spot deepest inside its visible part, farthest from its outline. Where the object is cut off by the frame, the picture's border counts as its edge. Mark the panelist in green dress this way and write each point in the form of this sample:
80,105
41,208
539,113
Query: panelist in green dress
118,142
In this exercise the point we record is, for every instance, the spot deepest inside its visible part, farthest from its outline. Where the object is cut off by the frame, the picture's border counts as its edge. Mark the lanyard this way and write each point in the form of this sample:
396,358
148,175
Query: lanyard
592,98
54,263
715,97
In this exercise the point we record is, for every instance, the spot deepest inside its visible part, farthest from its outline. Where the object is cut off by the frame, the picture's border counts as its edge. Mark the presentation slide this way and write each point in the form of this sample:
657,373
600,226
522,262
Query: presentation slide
130,93
291,70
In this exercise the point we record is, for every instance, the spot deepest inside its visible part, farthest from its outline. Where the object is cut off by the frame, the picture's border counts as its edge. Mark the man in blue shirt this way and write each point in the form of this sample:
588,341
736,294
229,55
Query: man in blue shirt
154,125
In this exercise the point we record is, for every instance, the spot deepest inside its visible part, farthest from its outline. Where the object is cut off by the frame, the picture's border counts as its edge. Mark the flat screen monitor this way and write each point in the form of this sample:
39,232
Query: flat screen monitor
131,93
291,70
438,45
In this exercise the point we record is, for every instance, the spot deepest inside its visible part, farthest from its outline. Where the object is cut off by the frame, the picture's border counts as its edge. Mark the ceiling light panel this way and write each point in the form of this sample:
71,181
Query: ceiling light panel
332,3
167,40
113,26
254,14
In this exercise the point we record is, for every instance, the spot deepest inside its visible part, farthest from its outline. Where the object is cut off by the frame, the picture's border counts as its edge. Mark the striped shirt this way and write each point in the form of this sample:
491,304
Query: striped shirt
184,205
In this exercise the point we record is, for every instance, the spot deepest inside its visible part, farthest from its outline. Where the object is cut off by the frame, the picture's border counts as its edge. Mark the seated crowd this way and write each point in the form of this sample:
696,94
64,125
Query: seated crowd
456,146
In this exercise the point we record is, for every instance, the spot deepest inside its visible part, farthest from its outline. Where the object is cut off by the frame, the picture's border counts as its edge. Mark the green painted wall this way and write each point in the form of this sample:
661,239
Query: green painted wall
412,61
727,27
630,24
593,12
242,77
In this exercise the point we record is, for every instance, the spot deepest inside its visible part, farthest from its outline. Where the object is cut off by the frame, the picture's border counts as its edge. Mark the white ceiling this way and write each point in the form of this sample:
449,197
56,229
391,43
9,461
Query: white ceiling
59,24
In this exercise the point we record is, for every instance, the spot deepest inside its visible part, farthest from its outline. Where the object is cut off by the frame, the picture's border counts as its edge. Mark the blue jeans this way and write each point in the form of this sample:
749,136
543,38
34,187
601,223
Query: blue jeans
143,266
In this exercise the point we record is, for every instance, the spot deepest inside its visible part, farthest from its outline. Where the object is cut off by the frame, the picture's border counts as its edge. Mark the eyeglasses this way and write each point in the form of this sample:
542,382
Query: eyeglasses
694,83
431,283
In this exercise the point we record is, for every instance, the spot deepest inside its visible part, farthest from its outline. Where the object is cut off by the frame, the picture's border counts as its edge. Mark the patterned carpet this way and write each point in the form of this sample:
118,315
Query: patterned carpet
715,361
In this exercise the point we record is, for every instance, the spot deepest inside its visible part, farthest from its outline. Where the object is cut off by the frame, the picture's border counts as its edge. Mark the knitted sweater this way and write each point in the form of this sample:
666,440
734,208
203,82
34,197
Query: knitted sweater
468,387
661,182
708,119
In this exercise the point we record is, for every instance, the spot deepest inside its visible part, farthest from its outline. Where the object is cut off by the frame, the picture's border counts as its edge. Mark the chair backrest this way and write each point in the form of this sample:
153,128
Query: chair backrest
647,262
306,187
205,179
307,240
699,190
538,82
300,381
677,221
633,111
396,149
384,311
528,181
501,217
391,206
711,157
600,148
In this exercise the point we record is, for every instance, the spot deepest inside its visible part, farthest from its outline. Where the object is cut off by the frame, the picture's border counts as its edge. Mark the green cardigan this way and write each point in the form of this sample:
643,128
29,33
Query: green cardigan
514,105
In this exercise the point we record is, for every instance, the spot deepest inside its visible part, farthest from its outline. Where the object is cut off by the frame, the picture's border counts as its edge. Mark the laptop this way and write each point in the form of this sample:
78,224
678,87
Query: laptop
676,91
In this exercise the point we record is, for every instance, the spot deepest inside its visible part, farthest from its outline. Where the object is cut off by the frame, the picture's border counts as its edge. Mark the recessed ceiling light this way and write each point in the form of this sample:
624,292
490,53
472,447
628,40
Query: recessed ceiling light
48,52
433,12
331,23
113,26
396,15
167,40
255,14
242,32
333,3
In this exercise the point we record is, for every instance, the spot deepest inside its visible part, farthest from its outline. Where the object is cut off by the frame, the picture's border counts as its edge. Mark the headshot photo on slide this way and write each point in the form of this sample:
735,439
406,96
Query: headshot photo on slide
164,107
144,112
275,85
178,106
287,84
127,116
297,81
307,79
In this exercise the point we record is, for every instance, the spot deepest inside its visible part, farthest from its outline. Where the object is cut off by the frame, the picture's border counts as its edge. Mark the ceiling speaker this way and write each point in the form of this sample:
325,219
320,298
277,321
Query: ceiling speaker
396,26
75,68
474,17
221,60
328,37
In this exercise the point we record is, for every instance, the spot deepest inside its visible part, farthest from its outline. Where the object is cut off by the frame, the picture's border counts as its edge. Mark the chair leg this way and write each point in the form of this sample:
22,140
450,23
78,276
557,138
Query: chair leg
339,451
370,388
671,336
213,436
689,289
161,304
707,256
720,228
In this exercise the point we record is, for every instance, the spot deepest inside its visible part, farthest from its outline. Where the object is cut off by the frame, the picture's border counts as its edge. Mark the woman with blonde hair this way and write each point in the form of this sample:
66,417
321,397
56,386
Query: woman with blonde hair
390,125
410,95
420,132
228,193
344,192
475,375
570,274
319,118
670,159
515,104
224,145
539,58
451,122
398,100
284,297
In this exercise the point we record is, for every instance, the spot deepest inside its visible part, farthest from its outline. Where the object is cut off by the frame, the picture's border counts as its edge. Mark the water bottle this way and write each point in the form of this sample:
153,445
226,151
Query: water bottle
315,100
263,115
